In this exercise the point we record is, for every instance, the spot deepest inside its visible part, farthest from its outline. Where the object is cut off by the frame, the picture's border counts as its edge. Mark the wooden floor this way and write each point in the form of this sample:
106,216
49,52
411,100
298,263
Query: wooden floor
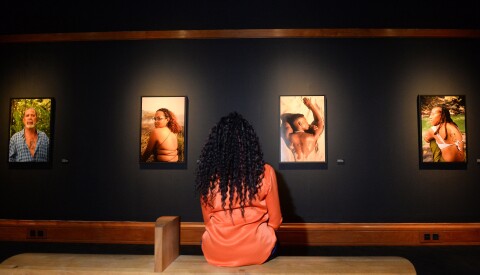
41,263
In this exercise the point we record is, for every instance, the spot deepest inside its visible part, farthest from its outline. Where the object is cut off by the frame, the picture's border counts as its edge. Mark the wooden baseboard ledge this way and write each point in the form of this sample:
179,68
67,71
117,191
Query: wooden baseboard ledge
241,34
302,234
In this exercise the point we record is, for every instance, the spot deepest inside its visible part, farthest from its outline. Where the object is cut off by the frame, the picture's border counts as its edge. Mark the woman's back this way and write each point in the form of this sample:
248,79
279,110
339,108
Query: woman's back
166,148
236,240
450,140
238,195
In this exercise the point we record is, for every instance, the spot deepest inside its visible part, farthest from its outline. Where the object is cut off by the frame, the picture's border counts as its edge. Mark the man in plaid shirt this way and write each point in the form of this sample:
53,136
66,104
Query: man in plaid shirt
29,144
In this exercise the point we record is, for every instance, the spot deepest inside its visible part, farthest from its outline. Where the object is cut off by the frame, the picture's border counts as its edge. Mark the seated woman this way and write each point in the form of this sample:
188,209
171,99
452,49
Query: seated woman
444,137
163,143
239,196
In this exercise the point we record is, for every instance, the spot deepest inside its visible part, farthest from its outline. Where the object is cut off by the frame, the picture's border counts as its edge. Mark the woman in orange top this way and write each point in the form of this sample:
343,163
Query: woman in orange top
238,194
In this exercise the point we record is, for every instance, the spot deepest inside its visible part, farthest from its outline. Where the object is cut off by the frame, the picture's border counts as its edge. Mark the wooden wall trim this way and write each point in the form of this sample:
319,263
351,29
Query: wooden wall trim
77,231
304,234
241,33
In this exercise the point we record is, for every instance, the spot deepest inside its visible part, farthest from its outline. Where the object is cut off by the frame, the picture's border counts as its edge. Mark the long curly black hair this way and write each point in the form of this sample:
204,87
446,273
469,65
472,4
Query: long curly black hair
172,124
231,160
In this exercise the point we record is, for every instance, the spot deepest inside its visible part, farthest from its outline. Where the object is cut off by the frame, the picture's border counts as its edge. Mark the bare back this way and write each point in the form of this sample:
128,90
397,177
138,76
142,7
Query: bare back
166,145
303,144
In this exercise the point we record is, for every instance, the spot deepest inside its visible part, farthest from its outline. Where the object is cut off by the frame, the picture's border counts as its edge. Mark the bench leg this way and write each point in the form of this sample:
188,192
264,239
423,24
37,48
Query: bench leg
167,241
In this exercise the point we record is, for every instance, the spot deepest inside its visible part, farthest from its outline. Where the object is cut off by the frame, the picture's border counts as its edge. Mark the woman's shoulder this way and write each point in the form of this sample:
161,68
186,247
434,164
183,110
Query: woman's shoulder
269,177
268,168
452,126
163,130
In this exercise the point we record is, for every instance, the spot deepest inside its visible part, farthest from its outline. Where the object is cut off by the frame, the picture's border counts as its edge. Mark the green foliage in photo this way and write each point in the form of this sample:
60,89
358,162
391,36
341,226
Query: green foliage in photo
43,108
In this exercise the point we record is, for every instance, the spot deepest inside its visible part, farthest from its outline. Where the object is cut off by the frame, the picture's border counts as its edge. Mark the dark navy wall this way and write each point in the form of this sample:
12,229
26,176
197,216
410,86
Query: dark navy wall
371,88
27,16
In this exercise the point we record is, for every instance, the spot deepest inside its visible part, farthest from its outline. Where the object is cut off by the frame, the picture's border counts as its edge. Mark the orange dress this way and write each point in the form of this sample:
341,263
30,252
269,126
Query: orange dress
233,240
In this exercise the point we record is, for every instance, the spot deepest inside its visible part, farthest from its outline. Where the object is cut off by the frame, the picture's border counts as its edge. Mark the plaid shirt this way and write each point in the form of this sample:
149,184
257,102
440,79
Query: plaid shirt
19,152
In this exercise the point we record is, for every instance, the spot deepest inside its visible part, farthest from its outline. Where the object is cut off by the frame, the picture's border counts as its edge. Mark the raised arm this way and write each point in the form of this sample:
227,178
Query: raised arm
317,124
286,128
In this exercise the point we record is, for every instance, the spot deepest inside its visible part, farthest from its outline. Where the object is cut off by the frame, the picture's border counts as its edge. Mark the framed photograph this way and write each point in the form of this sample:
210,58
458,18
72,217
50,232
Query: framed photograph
302,129
442,131
163,130
31,132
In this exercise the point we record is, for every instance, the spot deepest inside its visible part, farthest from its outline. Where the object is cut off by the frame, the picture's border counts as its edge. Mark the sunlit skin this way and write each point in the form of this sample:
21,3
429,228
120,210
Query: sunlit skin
163,144
302,135
31,135
451,153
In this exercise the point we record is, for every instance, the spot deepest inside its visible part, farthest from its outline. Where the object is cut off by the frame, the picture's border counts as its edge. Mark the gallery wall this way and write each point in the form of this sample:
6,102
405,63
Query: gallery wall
93,16
371,88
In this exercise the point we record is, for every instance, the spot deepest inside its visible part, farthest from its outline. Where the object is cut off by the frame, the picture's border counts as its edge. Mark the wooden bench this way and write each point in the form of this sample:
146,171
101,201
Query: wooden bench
167,260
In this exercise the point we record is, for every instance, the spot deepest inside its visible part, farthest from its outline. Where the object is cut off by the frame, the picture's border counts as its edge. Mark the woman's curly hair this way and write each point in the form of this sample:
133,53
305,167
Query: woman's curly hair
172,123
231,160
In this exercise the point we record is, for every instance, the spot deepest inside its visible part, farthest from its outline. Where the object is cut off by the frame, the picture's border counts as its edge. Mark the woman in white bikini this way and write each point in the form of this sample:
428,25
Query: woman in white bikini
444,137
163,143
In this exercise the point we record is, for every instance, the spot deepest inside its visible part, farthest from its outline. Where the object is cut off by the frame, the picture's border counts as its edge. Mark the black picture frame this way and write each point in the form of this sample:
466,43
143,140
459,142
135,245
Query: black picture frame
177,108
41,145
430,109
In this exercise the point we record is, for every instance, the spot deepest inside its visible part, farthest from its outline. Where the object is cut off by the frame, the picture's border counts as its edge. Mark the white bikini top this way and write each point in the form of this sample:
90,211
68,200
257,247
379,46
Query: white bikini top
441,142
